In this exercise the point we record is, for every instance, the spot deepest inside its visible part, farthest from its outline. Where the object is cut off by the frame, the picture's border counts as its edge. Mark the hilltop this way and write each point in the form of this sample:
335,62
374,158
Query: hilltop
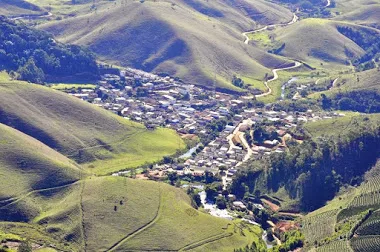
200,42
82,131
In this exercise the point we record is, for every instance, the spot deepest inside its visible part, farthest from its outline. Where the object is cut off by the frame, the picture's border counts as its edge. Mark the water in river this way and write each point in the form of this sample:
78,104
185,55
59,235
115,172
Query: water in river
284,86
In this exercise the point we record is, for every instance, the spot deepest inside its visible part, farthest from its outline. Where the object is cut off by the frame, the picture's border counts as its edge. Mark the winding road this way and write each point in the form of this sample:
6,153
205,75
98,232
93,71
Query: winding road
274,71
247,39
49,14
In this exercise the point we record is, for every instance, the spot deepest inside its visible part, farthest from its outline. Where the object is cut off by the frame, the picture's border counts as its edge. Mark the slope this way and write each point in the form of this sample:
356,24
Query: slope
318,43
27,164
18,8
345,223
80,130
363,12
115,213
360,81
173,38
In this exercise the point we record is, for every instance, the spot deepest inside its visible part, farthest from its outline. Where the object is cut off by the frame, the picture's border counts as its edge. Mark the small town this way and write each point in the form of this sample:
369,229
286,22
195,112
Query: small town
164,102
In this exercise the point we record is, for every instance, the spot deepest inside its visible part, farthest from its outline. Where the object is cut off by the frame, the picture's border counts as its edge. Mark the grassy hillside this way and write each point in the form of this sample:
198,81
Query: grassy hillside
18,7
27,164
318,43
119,214
363,12
81,131
178,39
360,81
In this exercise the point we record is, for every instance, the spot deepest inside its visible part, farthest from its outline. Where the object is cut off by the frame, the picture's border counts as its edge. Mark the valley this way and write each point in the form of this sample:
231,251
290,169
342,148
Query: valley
189,125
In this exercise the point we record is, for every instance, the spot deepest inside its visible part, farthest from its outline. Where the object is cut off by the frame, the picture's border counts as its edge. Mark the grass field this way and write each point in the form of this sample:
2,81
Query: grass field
27,164
334,126
81,131
18,7
65,86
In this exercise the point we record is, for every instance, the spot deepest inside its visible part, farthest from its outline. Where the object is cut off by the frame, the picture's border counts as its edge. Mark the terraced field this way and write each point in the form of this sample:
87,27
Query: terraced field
370,226
319,226
335,246
366,244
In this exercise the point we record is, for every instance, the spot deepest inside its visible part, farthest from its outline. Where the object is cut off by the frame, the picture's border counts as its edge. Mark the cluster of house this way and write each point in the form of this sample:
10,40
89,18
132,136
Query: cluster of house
231,149
159,101
163,101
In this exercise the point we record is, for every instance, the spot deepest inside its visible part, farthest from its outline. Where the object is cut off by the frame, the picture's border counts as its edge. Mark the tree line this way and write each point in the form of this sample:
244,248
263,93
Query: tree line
322,165
34,55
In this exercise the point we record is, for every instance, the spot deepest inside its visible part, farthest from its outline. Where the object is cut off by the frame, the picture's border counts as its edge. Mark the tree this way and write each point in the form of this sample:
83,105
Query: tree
24,247
30,72
221,202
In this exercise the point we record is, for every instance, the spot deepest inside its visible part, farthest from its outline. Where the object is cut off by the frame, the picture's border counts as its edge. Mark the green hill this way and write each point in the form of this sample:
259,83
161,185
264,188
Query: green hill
18,8
27,164
82,131
359,81
318,43
364,12
120,214
177,38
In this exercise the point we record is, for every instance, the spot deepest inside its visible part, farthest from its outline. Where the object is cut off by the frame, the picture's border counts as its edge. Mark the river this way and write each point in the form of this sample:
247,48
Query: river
189,152
284,86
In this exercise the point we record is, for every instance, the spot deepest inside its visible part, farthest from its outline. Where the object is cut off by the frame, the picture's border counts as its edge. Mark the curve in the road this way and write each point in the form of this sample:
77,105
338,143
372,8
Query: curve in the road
274,71
275,77
247,39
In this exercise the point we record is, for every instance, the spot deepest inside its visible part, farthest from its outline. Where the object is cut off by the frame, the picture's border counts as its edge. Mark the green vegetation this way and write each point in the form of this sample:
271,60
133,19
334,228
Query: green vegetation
321,46
66,87
36,56
322,162
90,135
116,213
18,7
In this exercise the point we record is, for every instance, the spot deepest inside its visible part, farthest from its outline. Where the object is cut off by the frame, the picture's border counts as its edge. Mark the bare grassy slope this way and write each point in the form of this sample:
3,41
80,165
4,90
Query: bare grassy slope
18,7
317,40
173,38
27,164
365,12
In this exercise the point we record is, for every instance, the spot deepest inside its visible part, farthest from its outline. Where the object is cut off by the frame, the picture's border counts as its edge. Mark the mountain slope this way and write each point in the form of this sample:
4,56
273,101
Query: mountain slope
80,130
27,164
18,7
317,41
115,213
176,38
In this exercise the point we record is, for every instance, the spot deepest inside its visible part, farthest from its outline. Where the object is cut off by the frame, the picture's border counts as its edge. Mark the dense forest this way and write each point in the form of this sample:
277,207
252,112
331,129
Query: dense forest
366,39
35,56
366,101
320,165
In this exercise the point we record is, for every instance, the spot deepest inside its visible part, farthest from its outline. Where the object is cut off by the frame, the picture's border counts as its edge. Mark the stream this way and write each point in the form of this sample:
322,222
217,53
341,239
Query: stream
214,211
189,152
284,86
